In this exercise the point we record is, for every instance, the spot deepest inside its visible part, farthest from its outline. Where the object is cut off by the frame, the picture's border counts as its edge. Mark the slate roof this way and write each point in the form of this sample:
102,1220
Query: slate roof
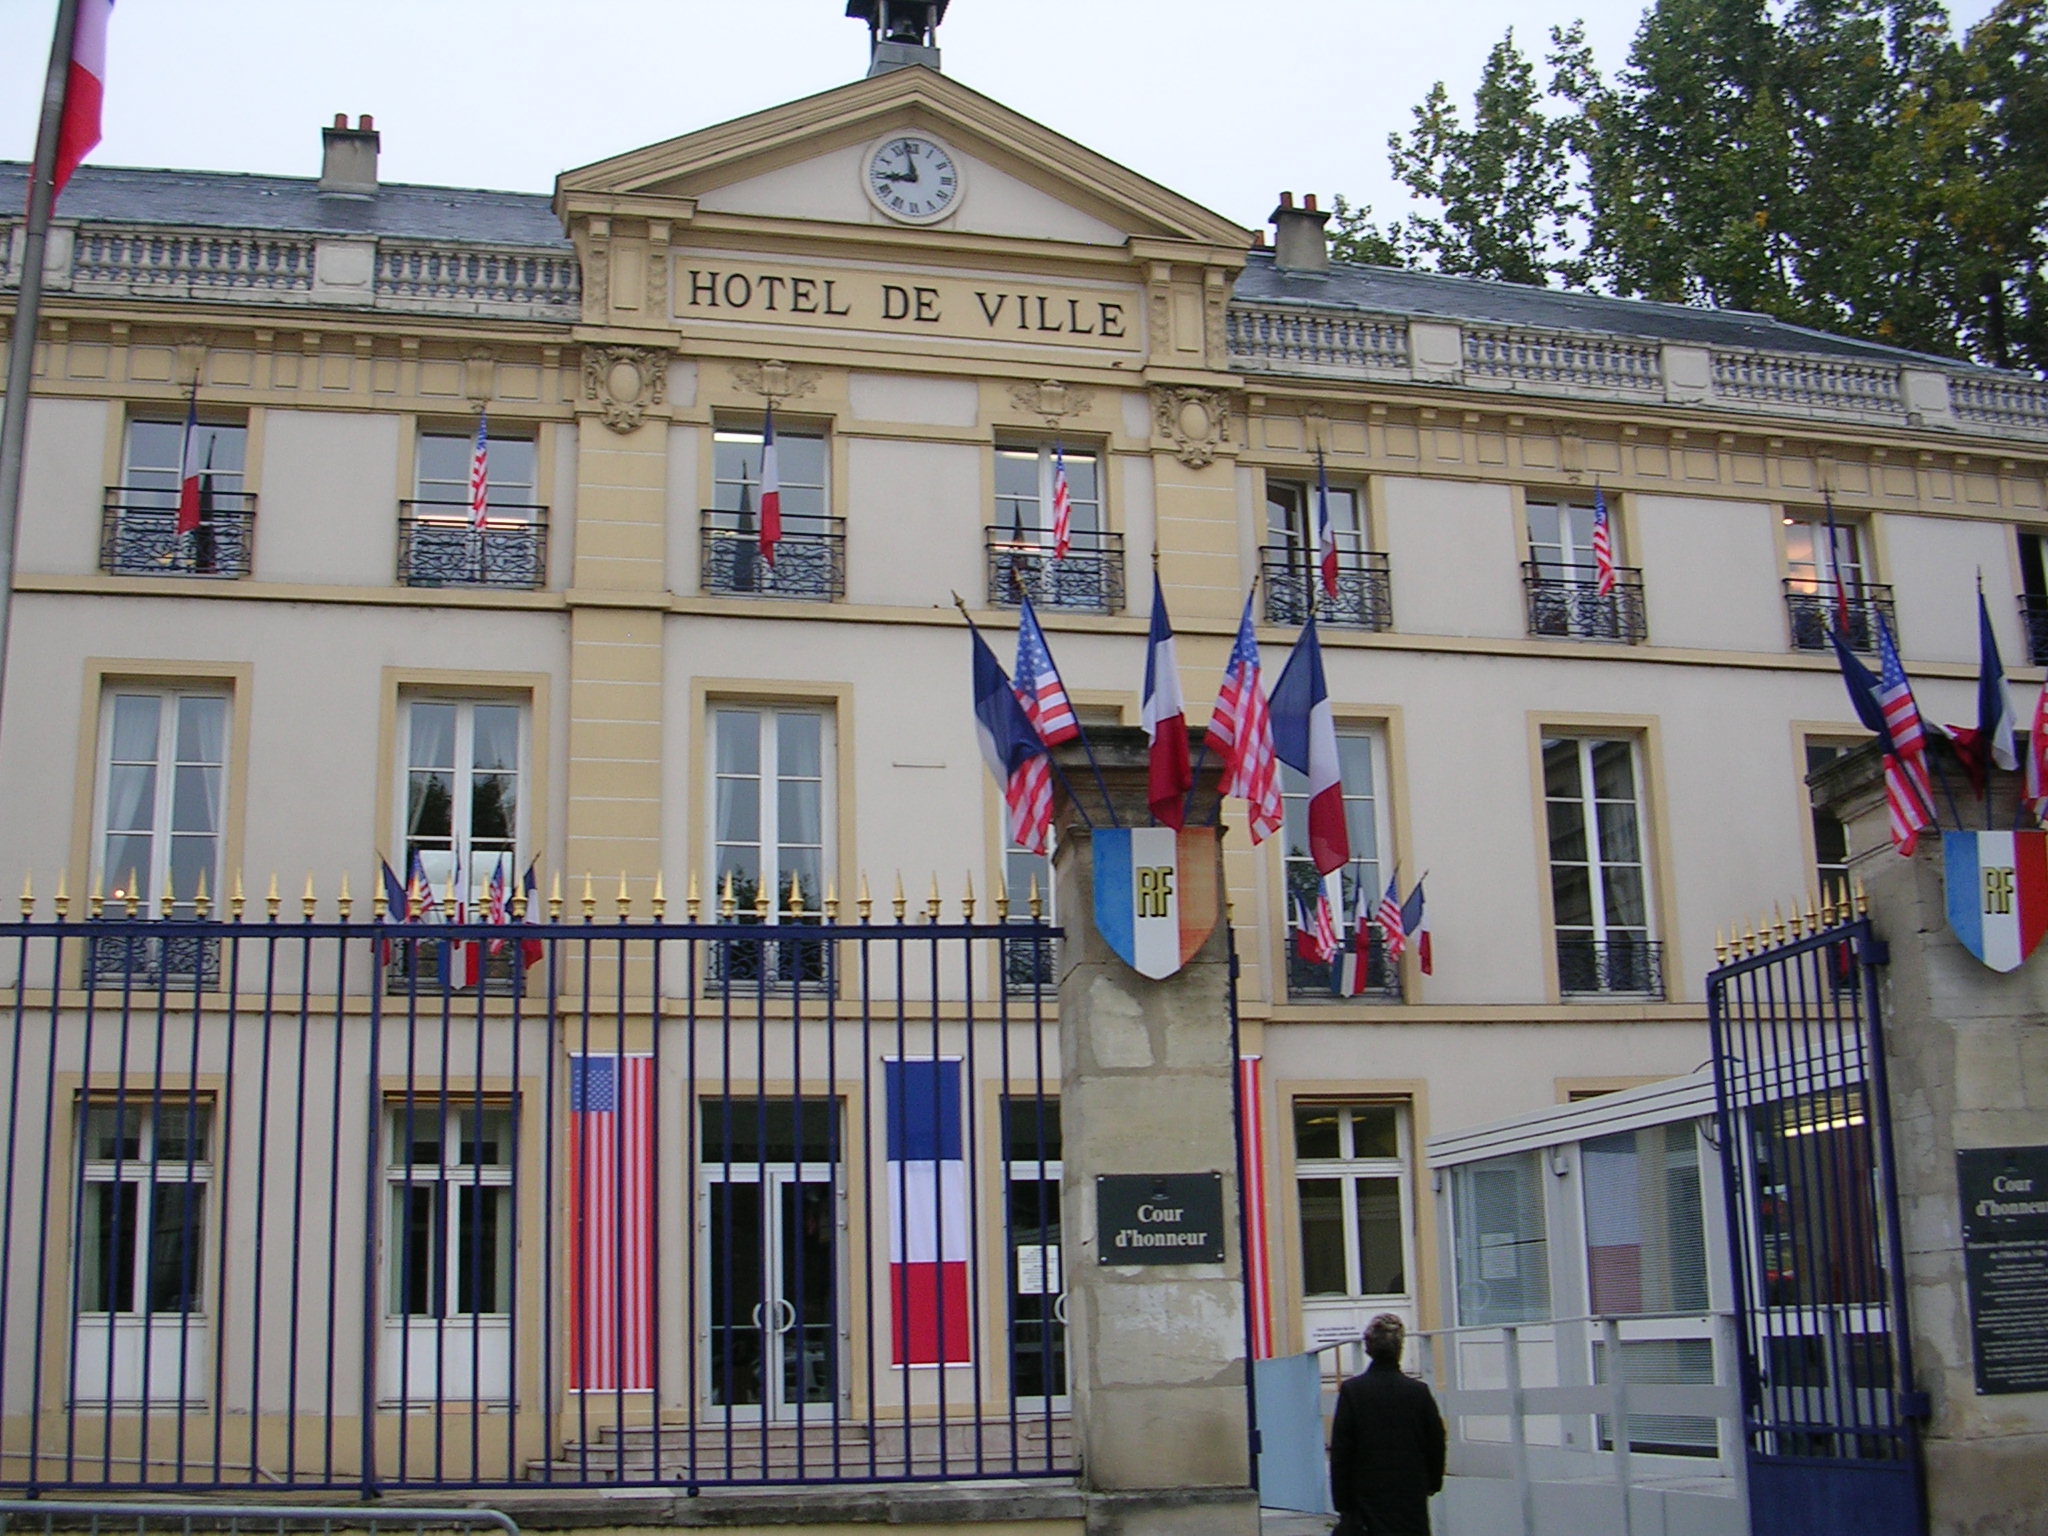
228,200
1431,296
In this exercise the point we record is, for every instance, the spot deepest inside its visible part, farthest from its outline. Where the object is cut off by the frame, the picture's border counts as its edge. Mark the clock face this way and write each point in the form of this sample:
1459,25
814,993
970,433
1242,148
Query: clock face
912,179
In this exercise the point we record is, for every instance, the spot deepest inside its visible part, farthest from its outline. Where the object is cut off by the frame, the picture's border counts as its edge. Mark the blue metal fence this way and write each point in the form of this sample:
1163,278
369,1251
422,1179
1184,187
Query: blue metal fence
331,1204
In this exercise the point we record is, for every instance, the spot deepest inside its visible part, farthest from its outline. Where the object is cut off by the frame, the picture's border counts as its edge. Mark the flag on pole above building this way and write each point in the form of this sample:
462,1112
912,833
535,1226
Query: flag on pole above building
771,489
480,474
1011,746
1165,719
1305,738
1241,730
1038,684
85,84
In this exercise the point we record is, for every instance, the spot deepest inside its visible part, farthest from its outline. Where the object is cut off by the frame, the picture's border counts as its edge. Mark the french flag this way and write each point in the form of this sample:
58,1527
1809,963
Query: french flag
1305,739
1170,776
927,1176
771,490
191,469
1326,531
1015,753
85,88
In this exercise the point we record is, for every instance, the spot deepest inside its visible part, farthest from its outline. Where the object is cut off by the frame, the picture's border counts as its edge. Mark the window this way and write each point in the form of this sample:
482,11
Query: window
1501,1241
1029,965
1020,538
145,1162
462,792
1361,755
439,543
1598,874
771,830
1032,1173
1291,560
1830,837
448,1246
2034,595
810,558
1562,577
1824,589
139,533
1351,1186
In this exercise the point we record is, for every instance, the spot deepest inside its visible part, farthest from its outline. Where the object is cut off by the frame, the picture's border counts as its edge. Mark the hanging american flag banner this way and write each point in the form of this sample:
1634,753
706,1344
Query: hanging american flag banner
1603,545
1062,505
480,475
611,1223
1258,1276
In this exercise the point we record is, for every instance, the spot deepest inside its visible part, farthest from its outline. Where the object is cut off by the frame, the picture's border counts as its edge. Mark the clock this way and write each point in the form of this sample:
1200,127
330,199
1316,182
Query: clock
912,179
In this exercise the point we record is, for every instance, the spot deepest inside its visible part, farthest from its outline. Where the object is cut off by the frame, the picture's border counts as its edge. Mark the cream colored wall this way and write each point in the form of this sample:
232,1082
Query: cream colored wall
327,511
1710,571
914,519
1453,557
828,187
1932,565
63,483
685,535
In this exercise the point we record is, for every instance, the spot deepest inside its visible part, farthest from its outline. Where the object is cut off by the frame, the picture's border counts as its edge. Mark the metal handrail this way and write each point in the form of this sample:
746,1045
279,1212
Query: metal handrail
440,546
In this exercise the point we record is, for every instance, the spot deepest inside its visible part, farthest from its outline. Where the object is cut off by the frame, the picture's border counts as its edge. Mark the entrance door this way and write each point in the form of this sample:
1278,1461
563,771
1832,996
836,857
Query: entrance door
1038,1297
772,1283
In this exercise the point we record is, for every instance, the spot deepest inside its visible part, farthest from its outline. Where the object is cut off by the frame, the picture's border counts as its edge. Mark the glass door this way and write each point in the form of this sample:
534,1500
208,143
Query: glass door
772,1282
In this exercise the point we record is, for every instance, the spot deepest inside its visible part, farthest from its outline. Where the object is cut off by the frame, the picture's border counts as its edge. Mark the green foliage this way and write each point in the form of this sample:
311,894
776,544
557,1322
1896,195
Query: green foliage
1845,164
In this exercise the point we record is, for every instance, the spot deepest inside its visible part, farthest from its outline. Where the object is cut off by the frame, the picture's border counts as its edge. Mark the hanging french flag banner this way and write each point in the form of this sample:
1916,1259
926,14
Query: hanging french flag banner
927,1176
1156,901
1997,893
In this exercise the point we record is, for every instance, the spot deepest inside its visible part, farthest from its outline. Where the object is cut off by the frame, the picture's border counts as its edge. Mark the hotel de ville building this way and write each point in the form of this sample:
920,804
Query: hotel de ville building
602,680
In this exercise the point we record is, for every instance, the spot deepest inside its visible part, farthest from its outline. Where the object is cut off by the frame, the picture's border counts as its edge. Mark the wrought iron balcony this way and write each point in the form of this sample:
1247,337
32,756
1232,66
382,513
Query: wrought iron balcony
438,546
1309,981
1030,965
139,534
2034,619
1629,967
810,557
429,967
1566,600
178,959
778,965
1814,610
1364,597
1090,579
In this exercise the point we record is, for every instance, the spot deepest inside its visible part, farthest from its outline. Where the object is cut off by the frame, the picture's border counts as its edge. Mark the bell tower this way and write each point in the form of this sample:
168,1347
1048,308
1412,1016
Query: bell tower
900,32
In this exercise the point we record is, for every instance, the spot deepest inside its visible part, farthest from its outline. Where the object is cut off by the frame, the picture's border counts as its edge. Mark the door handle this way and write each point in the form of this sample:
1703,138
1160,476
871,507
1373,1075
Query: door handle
1059,1308
756,1320
784,1304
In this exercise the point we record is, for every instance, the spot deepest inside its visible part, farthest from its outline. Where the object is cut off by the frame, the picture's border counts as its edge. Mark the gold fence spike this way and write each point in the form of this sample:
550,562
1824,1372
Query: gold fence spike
1036,902
555,898
796,896
165,901
660,897
693,904
866,903
517,905
1862,899
236,902
898,900
63,897
625,898
379,908
931,902
95,902
28,897
762,899
311,901
342,902
201,904
1778,922
134,900
1798,922
728,900
272,900
831,901
1720,948
1002,898
967,901
589,897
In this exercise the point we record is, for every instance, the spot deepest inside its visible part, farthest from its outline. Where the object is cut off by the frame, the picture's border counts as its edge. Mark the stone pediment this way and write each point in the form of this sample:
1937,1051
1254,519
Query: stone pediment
803,161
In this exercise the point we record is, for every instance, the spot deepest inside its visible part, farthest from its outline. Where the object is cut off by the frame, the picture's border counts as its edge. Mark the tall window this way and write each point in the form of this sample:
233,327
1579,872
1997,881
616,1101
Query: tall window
1562,577
463,781
1501,1242
145,1165
1028,964
1561,537
810,559
1291,561
2034,595
1032,1172
1351,1186
1024,482
771,830
1020,537
1598,873
451,1226
153,467
163,787
439,542
1824,583
139,532
1830,837
1361,757
1291,519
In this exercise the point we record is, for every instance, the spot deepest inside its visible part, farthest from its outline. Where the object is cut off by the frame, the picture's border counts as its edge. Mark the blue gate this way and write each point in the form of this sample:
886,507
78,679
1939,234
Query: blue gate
1830,1412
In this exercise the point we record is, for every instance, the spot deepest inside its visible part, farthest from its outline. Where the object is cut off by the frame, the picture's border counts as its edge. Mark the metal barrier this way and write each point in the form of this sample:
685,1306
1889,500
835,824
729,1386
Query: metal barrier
368,1206
103,1519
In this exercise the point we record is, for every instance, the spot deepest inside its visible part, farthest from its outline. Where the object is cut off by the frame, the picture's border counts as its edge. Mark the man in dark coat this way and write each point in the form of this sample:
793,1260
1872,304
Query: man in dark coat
1387,1445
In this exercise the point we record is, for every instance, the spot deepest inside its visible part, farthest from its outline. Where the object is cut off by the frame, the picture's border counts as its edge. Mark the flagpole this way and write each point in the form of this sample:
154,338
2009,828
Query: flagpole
1080,730
28,305
1050,761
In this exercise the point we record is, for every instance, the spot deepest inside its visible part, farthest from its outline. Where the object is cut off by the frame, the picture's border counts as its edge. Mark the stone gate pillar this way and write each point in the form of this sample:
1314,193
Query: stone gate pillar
1966,1050
1156,1351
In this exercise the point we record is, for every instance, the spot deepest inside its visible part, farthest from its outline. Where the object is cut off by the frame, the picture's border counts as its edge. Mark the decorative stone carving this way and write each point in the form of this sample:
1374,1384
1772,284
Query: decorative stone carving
1195,421
775,380
1052,400
625,381
478,373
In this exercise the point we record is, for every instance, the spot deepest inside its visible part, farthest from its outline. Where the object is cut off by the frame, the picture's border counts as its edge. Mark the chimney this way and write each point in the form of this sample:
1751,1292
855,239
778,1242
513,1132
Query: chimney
900,32
348,168
1299,244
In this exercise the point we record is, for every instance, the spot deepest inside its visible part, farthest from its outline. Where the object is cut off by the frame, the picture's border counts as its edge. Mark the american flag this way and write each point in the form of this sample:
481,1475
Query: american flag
1389,917
1603,545
480,475
1326,531
1062,505
1038,684
611,1223
1258,1275
1315,940
1241,730
1908,792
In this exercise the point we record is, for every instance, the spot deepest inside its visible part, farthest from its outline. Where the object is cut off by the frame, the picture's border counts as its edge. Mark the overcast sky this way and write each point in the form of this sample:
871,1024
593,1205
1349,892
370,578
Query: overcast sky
1265,94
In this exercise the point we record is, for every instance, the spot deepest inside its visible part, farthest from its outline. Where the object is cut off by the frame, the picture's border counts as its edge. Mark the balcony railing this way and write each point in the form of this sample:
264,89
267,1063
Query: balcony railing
139,534
438,546
1629,967
1030,965
2034,619
1310,981
810,557
1813,612
180,958
1364,597
1566,600
777,965
1089,580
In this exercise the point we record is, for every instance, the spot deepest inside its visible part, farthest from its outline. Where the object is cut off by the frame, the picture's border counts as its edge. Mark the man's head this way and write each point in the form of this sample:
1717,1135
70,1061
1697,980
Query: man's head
1384,1336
